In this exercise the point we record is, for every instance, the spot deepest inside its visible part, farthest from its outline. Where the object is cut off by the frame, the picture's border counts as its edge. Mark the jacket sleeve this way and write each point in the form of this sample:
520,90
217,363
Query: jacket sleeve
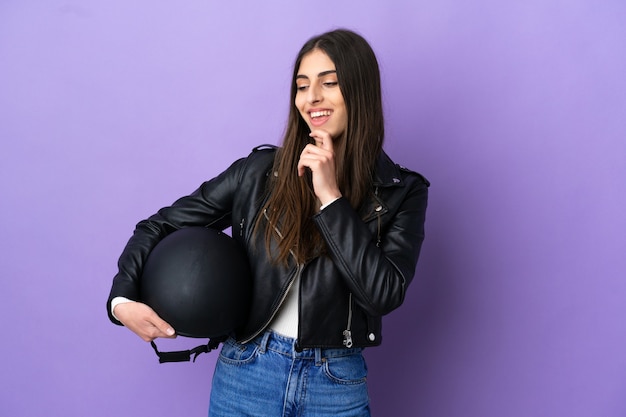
377,274
210,206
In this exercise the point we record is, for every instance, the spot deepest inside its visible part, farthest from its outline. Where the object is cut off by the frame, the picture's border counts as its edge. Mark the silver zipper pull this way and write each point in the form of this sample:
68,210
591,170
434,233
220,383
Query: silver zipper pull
347,338
243,221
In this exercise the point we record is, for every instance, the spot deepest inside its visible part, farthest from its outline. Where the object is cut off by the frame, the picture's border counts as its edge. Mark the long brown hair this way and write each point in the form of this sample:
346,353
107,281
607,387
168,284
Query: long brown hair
292,202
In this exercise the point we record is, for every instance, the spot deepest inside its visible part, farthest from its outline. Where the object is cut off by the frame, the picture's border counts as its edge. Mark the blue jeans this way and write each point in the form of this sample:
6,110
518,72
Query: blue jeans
268,377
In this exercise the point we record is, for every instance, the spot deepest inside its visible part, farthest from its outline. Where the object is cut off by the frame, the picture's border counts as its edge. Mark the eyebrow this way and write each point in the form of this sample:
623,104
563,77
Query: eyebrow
321,74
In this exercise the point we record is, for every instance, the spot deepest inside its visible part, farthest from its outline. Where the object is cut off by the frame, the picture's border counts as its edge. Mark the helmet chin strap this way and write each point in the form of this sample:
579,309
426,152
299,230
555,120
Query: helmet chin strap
185,355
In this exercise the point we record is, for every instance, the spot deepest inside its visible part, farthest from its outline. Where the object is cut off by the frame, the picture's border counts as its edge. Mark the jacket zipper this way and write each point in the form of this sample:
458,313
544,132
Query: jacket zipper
296,275
282,300
347,334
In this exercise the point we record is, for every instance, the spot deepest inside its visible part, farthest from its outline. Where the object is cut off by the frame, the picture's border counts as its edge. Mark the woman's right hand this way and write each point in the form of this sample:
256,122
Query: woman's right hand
320,159
143,321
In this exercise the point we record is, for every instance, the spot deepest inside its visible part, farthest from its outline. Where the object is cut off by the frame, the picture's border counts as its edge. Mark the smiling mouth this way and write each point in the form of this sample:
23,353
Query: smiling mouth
322,113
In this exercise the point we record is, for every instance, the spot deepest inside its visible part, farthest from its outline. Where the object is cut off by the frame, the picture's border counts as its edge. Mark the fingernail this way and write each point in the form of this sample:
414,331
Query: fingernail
170,332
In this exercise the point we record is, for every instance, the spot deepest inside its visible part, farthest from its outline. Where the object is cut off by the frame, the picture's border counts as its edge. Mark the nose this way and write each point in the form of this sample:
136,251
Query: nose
314,94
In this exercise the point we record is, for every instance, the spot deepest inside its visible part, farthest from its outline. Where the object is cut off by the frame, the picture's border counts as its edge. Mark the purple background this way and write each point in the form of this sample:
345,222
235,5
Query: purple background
516,111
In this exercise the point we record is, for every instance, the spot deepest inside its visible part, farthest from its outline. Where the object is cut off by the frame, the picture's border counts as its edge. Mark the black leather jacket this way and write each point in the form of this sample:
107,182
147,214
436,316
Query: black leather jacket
371,256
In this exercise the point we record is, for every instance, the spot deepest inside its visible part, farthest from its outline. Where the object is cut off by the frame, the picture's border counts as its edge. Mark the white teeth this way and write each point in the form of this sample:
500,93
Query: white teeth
320,113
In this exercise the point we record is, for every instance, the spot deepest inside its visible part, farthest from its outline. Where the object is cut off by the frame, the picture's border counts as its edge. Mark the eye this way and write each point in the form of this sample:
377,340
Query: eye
302,87
330,83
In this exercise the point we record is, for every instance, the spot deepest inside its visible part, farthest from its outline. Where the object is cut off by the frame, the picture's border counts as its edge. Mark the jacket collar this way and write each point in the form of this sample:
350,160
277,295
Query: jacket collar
387,172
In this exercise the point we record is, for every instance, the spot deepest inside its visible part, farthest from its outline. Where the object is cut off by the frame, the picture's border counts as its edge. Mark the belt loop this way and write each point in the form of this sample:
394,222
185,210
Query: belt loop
264,341
318,356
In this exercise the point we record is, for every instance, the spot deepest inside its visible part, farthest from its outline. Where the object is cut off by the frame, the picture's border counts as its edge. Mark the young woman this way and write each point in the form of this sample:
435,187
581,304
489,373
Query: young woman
332,228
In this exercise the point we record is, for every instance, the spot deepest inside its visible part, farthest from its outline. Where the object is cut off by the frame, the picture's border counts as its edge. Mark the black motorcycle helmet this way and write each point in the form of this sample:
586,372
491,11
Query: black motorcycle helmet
199,281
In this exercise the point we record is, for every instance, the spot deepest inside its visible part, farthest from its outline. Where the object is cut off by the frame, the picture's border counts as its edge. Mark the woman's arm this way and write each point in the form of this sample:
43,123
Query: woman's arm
210,205
377,274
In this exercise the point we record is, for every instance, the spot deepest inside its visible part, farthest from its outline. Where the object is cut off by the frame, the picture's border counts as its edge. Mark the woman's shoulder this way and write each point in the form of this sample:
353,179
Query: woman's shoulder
388,169
259,160
410,172
265,148
263,152
260,153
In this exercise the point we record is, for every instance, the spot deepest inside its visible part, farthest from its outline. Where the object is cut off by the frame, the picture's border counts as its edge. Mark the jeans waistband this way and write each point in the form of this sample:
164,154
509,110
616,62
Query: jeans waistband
270,340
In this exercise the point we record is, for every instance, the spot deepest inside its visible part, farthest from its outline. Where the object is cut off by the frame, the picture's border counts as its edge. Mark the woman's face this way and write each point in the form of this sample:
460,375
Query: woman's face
318,97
